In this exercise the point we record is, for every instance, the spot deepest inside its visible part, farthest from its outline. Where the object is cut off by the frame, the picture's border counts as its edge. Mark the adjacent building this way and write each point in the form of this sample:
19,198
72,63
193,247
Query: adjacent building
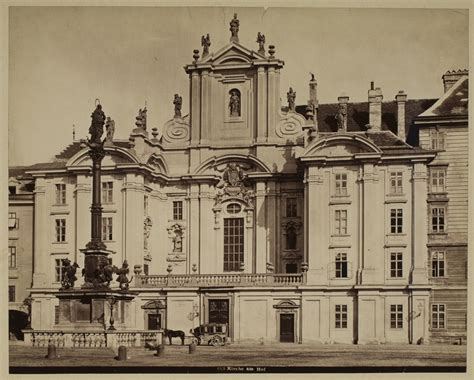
289,224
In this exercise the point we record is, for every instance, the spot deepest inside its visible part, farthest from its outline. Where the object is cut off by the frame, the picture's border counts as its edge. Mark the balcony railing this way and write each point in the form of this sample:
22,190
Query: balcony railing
216,280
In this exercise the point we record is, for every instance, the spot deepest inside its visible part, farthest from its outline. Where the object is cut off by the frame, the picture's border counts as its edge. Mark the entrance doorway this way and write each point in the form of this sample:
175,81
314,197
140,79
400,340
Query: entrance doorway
154,321
218,311
287,328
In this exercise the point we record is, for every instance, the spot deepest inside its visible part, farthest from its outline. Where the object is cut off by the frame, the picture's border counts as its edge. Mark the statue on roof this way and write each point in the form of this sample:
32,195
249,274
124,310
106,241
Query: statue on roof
141,118
291,96
261,43
97,126
341,116
178,102
110,129
234,29
205,43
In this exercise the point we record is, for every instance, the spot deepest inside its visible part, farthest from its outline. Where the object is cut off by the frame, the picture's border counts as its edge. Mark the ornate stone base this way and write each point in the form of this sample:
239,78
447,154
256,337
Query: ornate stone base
95,260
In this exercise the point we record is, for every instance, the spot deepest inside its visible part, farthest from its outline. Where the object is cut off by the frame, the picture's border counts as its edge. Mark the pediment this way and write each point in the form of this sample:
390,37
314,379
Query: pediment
232,54
341,145
217,165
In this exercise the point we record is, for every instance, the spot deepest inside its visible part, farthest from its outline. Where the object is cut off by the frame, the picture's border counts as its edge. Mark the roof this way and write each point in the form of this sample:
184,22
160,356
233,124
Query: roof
17,171
454,102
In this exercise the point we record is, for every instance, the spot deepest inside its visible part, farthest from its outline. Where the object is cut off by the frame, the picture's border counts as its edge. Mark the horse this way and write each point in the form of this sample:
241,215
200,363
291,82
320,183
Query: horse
175,334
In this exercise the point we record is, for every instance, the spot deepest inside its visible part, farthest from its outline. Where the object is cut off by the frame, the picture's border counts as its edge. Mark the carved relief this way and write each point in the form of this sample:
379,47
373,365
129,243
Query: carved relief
290,125
176,130
232,186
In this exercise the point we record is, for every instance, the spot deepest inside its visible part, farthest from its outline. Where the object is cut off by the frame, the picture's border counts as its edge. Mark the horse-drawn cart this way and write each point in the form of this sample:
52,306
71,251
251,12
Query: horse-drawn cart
214,334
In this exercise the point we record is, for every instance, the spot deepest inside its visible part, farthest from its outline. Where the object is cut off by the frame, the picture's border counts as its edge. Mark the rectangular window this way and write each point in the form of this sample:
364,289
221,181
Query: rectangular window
437,140
145,269
56,315
341,184
396,221
437,264
437,180
437,219
340,222
60,230
438,316
107,228
341,265
291,207
107,192
233,243
341,316
396,316
177,210
11,257
396,264
11,293
145,205
12,220
58,270
396,183
60,194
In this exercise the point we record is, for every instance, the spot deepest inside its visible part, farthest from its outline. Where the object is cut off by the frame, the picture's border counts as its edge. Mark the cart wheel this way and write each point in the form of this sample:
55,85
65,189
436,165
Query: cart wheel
216,341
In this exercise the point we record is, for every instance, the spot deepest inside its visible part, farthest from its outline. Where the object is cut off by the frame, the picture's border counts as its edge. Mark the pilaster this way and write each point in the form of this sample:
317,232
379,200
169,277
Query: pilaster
420,224
205,263
195,107
259,256
206,103
262,131
41,225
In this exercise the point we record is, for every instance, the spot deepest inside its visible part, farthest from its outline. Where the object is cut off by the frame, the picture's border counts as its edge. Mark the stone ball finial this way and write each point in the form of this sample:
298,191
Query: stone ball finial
154,132
196,55
271,50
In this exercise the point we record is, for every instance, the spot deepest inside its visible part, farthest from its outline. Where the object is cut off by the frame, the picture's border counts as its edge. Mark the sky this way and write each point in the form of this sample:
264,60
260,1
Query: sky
62,58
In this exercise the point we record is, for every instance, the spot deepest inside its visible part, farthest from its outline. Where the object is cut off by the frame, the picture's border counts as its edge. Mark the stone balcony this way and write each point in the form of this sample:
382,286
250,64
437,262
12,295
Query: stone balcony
217,280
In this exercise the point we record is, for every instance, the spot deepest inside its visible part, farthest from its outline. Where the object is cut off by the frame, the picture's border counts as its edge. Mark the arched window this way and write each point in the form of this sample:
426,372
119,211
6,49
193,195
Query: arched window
234,102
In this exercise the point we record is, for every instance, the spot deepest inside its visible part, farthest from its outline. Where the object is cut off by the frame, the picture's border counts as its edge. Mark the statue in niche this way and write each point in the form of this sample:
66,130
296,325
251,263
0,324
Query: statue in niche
178,242
234,29
97,125
146,232
141,118
110,130
341,116
234,103
261,43
205,43
178,102
291,96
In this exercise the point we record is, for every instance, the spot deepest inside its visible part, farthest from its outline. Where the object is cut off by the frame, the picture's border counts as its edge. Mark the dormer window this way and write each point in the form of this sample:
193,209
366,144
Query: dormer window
234,102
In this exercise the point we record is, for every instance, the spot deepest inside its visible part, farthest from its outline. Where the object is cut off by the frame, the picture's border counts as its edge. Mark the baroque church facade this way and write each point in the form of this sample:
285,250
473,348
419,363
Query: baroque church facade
289,224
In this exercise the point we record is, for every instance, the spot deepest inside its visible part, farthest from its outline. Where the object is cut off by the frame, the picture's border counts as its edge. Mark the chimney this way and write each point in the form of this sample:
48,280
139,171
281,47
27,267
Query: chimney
401,99
375,108
451,77
342,112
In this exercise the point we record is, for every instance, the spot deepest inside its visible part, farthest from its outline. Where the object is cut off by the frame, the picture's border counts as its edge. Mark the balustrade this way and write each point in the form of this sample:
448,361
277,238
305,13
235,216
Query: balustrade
241,279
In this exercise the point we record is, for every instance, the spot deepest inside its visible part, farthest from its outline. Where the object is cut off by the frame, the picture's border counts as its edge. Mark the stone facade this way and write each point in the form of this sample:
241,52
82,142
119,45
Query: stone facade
267,218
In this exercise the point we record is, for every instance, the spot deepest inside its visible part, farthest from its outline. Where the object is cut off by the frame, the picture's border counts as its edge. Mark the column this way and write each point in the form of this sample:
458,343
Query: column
271,228
261,105
419,235
41,226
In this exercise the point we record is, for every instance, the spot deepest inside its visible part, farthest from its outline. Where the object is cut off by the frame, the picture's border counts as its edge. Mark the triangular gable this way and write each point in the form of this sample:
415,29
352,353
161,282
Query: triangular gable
453,102
232,53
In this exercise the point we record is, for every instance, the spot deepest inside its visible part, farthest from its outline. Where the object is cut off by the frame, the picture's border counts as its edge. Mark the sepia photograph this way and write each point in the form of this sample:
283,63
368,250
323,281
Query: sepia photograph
236,189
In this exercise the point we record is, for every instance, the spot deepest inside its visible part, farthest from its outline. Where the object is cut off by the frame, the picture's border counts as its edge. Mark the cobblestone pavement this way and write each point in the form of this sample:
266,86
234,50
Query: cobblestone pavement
281,355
